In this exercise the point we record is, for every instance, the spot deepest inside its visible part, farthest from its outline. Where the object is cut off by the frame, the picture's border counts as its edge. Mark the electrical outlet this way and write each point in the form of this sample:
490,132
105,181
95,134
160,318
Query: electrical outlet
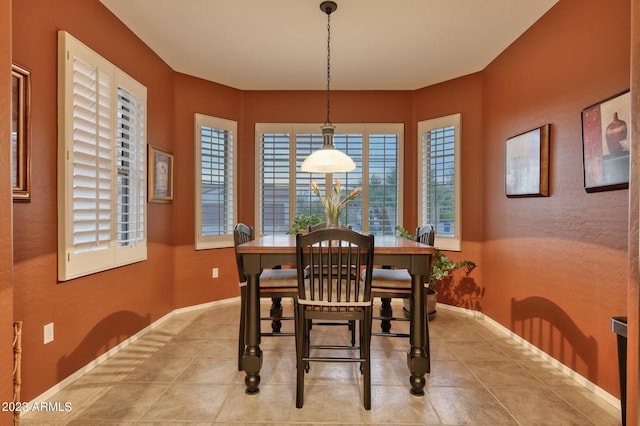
214,273
48,333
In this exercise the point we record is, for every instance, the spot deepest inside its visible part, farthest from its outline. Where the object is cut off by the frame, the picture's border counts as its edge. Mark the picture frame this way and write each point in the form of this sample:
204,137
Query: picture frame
160,175
605,143
527,163
20,133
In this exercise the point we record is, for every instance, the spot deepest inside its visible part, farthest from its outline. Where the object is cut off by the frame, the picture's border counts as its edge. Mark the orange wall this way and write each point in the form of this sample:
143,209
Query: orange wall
94,313
462,95
634,219
570,249
192,276
6,282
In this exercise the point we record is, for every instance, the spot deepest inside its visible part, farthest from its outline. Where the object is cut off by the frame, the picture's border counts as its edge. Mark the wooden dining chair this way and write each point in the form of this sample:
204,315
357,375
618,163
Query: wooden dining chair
330,288
388,284
350,324
274,284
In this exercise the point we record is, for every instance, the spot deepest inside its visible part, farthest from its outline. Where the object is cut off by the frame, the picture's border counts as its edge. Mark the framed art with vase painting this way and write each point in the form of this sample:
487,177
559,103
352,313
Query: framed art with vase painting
605,143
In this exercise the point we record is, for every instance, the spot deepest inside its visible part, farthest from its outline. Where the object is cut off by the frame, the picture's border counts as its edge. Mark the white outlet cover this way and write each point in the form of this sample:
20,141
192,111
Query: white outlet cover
48,333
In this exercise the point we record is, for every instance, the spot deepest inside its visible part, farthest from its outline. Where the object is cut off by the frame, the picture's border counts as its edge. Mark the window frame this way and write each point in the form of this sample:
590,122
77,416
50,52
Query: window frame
76,258
454,120
364,129
219,241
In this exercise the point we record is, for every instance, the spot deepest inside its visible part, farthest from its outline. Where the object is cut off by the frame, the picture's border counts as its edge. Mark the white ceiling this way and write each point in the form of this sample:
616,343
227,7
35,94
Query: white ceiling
282,44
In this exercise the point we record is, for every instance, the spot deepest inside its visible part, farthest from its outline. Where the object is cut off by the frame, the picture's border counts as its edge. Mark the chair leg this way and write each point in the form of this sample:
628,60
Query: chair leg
300,365
386,311
276,313
352,327
366,355
243,297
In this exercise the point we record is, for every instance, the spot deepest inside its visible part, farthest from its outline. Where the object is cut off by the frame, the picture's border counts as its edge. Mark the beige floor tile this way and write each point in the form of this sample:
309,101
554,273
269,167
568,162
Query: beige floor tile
469,406
184,372
538,406
189,401
273,404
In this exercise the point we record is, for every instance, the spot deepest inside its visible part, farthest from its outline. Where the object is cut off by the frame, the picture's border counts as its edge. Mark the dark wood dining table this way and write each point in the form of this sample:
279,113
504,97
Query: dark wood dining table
271,250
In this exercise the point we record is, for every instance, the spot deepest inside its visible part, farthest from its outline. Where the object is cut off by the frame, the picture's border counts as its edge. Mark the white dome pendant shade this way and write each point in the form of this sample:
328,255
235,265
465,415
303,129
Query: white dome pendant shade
328,159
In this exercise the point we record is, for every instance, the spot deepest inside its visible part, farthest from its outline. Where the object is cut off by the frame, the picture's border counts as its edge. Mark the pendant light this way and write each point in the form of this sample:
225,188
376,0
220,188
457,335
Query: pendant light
328,159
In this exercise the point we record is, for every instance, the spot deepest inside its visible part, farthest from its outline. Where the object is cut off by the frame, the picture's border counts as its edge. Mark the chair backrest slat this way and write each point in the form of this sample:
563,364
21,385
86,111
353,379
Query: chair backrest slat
329,263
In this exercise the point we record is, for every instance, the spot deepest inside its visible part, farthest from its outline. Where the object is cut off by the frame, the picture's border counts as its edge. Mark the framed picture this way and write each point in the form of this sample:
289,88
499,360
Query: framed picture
160,180
527,164
605,143
20,137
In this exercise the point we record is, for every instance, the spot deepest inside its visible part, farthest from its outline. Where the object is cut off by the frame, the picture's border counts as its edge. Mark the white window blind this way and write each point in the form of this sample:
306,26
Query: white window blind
215,181
102,176
439,182
284,190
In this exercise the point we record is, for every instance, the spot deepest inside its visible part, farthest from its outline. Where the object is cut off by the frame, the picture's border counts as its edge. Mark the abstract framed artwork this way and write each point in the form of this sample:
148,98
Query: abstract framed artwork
20,135
605,143
160,178
527,164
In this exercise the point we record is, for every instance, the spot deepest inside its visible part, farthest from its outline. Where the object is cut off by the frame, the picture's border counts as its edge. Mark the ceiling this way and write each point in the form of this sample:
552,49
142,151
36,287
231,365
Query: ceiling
282,44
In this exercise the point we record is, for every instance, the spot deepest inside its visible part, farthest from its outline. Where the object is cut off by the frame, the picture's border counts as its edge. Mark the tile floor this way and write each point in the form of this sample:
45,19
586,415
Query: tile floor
183,372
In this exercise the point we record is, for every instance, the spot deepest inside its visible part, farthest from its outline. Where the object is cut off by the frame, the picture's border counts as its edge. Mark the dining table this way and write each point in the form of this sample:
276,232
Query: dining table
267,251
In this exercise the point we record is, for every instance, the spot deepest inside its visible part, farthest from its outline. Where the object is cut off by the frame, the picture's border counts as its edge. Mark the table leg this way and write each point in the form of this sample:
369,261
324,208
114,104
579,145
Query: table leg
418,357
252,357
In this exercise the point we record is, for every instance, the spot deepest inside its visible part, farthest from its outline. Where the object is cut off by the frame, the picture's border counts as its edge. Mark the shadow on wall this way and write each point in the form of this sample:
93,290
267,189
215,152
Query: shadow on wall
463,292
108,333
547,326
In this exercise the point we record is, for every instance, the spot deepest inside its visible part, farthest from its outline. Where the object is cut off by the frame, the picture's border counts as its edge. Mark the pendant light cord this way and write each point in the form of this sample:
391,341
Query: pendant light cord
328,67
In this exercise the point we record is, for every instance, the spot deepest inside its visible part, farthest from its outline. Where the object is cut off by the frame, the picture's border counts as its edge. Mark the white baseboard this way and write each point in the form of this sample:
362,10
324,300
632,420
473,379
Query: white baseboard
615,402
111,352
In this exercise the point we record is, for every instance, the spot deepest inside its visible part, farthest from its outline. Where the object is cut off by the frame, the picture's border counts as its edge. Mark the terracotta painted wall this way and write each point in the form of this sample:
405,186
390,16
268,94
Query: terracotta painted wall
462,95
192,280
310,107
94,313
6,255
555,268
633,416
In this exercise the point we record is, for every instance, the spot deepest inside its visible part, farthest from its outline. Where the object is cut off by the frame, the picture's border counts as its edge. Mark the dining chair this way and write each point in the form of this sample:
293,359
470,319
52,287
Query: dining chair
329,262
274,284
350,324
388,284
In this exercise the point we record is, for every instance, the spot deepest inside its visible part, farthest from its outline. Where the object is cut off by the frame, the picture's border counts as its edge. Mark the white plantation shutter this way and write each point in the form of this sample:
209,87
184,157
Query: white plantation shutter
215,175
284,190
131,169
439,179
91,157
274,185
102,175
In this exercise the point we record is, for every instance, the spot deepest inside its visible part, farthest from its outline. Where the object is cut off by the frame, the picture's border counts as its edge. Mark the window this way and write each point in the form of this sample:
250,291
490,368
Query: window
215,148
102,175
439,179
284,192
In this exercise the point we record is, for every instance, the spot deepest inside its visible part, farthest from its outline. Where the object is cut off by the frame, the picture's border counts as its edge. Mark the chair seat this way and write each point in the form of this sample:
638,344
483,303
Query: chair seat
279,278
393,279
271,279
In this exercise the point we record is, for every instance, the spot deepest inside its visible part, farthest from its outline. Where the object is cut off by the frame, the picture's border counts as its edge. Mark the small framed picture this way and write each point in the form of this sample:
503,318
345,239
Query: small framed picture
160,178
605,143
20,135
527,164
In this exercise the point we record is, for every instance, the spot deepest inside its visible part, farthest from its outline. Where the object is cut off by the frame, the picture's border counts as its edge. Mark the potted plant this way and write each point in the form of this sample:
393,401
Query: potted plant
441,267
302,222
